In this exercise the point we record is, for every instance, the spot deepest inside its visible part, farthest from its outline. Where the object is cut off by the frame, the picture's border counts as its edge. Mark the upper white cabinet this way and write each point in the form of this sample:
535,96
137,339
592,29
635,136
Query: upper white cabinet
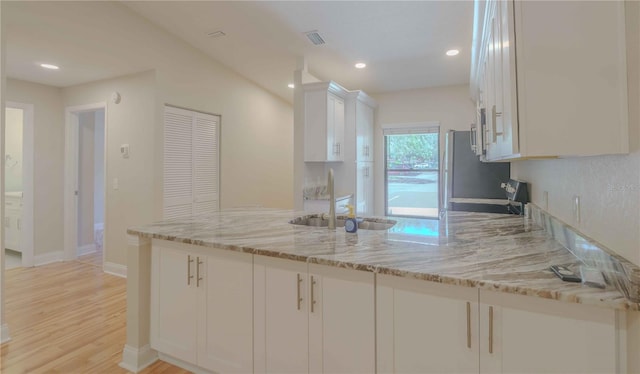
551,77
324,122
364,127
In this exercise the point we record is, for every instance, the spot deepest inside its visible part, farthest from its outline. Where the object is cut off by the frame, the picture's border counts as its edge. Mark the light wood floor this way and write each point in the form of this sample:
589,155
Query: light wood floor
66,317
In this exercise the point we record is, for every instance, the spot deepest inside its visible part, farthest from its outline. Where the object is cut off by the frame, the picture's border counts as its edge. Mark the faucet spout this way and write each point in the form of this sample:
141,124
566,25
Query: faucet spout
332,201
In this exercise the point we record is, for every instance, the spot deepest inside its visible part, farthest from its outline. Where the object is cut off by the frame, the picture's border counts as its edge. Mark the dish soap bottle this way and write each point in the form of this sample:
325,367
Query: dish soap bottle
351,225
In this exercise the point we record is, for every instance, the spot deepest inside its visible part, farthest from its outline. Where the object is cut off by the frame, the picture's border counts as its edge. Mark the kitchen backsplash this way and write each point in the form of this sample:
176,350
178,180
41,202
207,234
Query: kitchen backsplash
618,271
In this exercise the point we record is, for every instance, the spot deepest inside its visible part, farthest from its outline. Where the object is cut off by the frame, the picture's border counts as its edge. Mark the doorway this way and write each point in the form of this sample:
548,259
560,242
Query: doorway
85,184
412,171
18,180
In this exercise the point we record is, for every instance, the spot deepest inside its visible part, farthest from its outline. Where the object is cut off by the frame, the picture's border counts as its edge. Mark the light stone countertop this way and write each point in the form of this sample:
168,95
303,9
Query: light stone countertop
506,253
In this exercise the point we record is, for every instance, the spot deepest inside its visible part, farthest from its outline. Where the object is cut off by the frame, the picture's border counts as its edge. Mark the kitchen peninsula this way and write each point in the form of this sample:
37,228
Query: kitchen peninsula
248,291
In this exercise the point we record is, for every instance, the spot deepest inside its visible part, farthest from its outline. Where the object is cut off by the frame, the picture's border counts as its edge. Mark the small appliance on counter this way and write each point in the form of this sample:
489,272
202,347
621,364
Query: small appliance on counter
517,194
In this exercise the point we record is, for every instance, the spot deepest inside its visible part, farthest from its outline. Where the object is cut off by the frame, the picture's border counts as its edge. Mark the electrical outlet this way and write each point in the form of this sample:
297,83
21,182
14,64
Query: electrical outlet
545,200
576,208
115,184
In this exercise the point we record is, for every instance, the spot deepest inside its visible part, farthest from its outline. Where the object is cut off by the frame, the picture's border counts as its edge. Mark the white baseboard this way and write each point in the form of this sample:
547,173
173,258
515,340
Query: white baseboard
182,364
134,359
4,333
98,226
86,249
115,269
48,258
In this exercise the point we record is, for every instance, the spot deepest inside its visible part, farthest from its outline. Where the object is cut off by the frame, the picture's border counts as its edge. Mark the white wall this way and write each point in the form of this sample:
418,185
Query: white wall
131,122
451,106
14,119
256,131
608,186
48,161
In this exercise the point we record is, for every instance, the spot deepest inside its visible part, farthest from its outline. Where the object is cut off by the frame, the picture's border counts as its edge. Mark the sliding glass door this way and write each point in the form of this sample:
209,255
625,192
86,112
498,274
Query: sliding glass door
412,172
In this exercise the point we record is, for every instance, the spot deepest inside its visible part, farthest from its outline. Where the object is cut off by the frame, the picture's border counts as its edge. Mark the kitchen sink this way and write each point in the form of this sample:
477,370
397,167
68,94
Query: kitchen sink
322,220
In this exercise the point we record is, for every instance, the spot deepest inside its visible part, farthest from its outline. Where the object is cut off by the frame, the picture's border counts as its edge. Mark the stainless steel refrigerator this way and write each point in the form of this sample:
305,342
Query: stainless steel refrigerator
469,184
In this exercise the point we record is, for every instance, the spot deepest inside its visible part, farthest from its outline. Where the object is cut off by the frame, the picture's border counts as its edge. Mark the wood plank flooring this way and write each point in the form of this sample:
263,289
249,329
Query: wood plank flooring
67,317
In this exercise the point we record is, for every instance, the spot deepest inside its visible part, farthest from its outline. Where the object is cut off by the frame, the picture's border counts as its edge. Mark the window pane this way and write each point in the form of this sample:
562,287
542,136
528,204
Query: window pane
412,171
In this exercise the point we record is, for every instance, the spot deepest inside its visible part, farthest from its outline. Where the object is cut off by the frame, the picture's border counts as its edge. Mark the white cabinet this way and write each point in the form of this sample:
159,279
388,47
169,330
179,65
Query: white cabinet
13,221
202,306
324,122
341,320
364,188
281,316
312,318
540,85
364,128
425,327
433,328
520,334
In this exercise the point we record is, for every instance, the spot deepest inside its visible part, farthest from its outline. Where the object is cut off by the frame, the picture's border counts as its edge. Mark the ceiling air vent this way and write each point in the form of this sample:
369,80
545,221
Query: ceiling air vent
216,34
314,37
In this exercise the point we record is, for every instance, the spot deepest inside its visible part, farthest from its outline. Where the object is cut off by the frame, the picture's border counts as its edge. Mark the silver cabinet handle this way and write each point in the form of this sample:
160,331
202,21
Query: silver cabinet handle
490,329
198,278
19,224
494,116
313,301
189,276
298,298
468,324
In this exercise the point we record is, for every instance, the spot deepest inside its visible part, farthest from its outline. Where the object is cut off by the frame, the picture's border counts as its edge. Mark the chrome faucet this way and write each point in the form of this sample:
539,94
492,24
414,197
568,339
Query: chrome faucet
332,201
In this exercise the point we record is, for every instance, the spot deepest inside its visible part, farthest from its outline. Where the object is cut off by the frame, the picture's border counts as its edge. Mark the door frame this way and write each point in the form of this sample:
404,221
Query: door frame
71,178
28,148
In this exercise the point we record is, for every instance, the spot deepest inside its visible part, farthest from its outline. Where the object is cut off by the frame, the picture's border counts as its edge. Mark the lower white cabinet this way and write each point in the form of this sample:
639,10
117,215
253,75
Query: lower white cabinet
202,306
521,334
425,327
13,221
312,318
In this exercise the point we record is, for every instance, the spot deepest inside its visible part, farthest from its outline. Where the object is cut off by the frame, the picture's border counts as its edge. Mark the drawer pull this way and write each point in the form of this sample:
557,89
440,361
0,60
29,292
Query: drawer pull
198,278
490,329
468,324
189,276
298,298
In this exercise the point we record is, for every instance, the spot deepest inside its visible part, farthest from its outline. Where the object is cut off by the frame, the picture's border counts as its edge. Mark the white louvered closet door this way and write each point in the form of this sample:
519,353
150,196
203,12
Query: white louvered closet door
190,162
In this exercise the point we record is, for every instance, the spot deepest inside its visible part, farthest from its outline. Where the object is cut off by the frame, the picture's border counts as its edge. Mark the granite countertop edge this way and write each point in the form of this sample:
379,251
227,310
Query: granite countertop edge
561,291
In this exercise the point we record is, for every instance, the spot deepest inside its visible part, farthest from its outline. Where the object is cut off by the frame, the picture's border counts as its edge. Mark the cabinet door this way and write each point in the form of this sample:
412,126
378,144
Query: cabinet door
509,110
335,128
532,335
173,301
426,327
364,188
281,316
361,190
341,320
364,132
225,320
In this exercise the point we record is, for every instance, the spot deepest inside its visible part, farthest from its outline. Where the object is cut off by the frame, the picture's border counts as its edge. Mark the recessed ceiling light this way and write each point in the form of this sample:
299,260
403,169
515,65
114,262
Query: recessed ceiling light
49,66
361,65
291,85
452,52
